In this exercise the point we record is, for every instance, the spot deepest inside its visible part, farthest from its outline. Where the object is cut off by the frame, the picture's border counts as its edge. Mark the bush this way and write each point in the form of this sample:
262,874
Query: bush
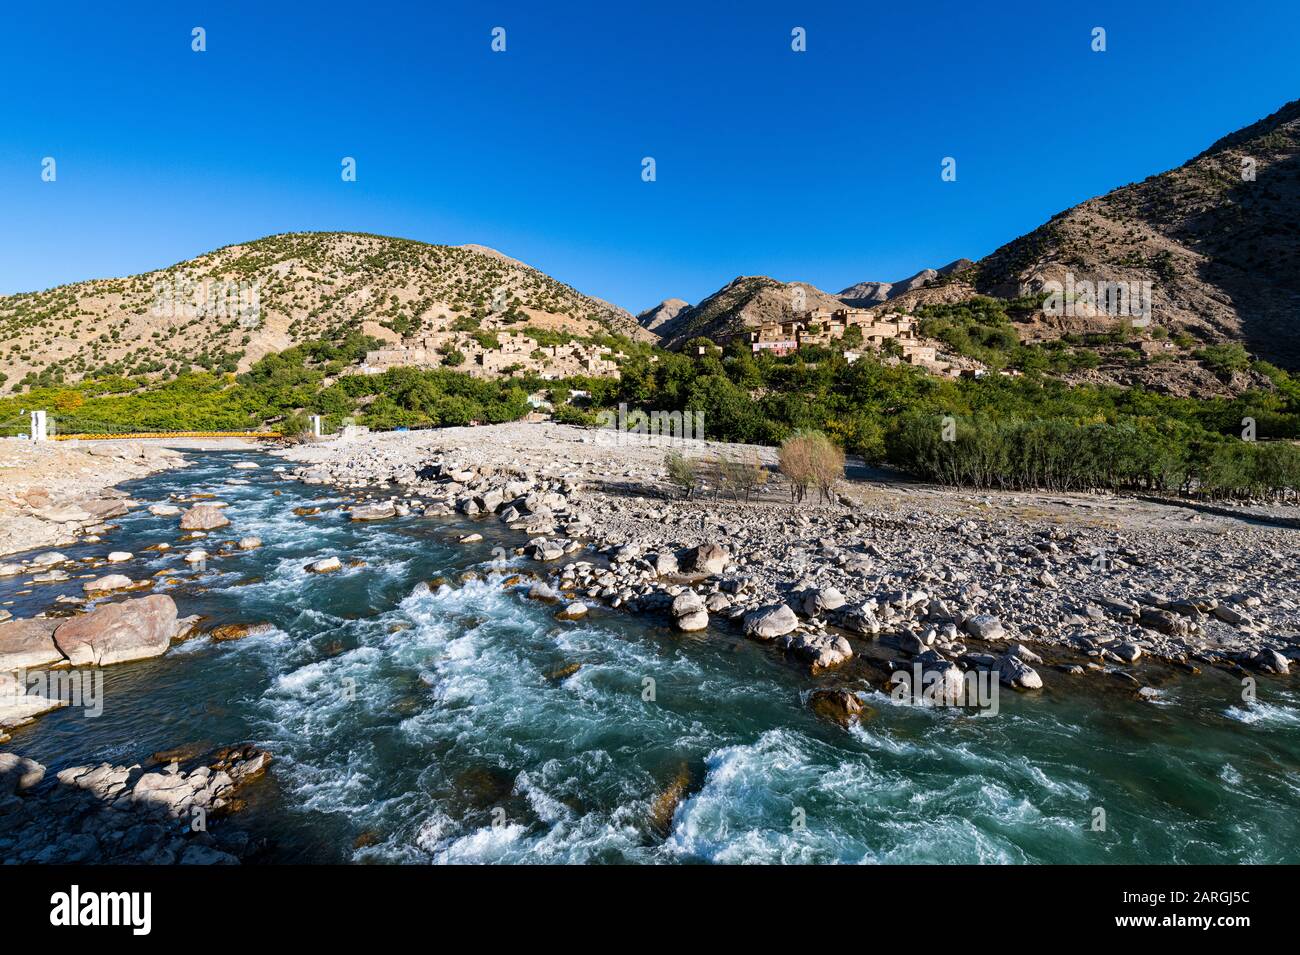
743,475
682,472
810,459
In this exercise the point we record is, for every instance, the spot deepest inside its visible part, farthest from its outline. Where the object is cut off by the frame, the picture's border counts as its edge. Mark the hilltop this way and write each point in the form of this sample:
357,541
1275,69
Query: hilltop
304,286
868,294
744,303
1218,238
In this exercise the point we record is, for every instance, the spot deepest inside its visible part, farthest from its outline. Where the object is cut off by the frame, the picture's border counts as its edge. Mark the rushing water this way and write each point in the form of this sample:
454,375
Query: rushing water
440,726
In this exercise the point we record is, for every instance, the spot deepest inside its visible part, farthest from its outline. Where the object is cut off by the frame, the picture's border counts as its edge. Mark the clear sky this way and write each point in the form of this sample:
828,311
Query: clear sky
822,166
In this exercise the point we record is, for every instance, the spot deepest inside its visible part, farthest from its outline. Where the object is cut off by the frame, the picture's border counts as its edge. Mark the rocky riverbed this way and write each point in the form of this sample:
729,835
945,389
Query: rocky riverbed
52,493
428,631
987,581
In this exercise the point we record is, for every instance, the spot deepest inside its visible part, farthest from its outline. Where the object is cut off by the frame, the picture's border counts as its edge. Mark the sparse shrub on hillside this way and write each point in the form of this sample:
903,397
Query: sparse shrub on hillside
1224,359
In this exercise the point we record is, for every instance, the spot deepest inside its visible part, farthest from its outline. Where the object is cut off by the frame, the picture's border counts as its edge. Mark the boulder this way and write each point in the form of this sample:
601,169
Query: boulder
11,570
250,543
18,773
107,584
325,565
574,611
768,623
196,556
119,556
116,633
1231,616
1014,672
1128,652
203,517
164,510
238,631
17,706
821,651
984,626
64,514
709,559
692,622
688,601
543,592
1165,622
820,600
840,706
28,643
101,509
689,612
1271,661
373,512
664,562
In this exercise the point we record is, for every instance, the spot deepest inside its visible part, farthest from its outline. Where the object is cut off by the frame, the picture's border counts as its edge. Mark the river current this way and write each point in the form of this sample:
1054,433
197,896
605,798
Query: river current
450,724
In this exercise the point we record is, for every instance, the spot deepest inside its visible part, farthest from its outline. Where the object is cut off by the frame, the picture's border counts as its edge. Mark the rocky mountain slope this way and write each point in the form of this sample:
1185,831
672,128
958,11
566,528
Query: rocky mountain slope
746,302
662,315
1218,238
227,308
869,294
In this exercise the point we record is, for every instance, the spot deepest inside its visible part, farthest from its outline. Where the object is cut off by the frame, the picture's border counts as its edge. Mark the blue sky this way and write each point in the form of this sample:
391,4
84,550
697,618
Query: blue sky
822,166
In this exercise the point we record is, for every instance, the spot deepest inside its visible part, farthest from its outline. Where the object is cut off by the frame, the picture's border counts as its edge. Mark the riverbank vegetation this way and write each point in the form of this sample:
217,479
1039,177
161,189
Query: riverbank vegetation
1022,431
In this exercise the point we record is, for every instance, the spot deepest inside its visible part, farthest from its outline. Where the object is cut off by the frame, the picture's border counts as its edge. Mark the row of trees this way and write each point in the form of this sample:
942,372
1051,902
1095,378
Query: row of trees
1166,457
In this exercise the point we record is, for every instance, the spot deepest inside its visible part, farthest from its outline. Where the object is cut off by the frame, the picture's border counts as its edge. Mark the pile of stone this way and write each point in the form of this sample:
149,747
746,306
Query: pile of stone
171,813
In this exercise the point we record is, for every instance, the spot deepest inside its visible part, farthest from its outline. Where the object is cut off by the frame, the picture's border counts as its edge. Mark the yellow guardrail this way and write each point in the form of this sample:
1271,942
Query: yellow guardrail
167,434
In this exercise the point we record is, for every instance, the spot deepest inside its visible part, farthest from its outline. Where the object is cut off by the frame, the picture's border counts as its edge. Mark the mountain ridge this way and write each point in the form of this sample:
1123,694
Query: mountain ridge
224,309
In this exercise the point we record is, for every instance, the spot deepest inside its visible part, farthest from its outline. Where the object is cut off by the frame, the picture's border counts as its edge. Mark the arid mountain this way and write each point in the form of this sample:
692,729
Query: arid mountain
868,294
746,302
226,309
1218,238
661,316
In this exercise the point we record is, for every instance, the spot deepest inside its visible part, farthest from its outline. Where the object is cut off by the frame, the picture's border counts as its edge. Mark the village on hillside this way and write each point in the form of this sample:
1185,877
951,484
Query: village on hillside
892,332
500,353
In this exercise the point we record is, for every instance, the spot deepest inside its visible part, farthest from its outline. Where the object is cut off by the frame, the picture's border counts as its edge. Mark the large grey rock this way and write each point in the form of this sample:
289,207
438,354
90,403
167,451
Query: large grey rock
1016,673
984,626
665,562
709,559
18,773
768,623
17,706
107,584
820,600
28,643
819,650
1270,660
688,601
373,512
119,632
203,517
